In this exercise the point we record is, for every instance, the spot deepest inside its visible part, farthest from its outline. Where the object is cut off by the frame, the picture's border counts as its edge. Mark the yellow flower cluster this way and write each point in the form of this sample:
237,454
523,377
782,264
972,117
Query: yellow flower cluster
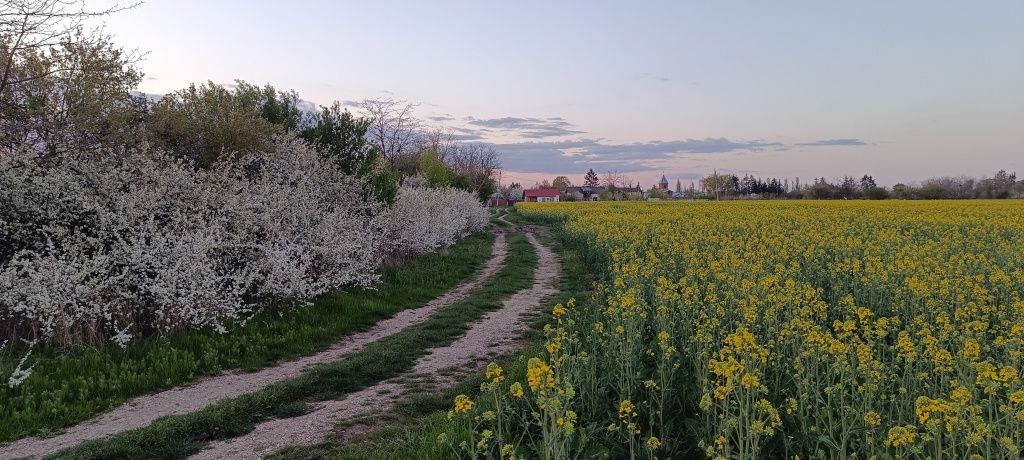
879,329
463,404
539,375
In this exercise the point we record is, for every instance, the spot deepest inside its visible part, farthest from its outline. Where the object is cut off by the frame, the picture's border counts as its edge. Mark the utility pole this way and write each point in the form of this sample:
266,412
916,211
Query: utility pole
717,188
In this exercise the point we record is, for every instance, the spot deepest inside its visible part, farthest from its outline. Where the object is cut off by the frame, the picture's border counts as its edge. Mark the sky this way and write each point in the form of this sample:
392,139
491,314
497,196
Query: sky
901,90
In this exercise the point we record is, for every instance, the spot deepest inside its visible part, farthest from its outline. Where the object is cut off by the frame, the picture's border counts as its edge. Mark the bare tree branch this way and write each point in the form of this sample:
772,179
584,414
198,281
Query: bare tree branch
394,129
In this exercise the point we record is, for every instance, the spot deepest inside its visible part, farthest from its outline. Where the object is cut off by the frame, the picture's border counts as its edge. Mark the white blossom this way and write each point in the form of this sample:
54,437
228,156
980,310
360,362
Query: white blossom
427,219
140,238
20,375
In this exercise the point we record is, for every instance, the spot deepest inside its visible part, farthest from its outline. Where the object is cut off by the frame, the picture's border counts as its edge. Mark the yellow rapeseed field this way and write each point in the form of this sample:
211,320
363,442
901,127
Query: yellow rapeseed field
785,329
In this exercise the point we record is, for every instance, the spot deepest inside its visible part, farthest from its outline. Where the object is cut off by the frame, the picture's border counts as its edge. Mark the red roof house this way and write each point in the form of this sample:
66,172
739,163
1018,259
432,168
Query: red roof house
541,194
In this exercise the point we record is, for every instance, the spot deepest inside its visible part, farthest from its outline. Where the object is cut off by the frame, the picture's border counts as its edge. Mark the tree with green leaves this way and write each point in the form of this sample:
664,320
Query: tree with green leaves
340,136
75,95
591,179
437,173
561,183
205,123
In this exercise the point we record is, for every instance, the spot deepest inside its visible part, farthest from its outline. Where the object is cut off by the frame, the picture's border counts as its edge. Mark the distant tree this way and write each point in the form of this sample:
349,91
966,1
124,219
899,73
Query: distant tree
513,192
679,186
901,192
561,183
848,188
613,180
999,186
867,183
340,136
441,140
591,180
821,190
876,193
655,192
394,130
719,185
933,191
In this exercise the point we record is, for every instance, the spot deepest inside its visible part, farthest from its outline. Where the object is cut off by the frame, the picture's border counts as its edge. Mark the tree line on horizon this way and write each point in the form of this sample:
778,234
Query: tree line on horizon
1001,185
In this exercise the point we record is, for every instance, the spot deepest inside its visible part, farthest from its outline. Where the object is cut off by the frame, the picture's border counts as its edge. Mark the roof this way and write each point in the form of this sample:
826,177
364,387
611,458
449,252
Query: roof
583,189
542,192
663,180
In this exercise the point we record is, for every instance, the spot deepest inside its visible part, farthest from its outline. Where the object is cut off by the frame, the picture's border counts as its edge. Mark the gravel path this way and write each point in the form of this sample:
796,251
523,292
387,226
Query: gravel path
142,411
497,333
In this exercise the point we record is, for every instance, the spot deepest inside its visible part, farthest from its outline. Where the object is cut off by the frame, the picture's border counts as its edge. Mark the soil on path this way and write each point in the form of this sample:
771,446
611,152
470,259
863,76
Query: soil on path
498,333
143,410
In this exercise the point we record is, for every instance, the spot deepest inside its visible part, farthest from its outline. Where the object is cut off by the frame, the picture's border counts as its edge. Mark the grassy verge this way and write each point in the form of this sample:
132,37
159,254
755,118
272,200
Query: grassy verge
413,429
68,388
180,436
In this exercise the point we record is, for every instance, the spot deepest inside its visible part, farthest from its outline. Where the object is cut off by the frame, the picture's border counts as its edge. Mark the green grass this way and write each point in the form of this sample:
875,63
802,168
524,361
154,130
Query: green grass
412,430
66,388
180,436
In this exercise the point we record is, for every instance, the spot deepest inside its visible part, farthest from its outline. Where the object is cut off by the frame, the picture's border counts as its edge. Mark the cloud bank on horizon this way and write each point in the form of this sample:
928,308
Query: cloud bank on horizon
536,152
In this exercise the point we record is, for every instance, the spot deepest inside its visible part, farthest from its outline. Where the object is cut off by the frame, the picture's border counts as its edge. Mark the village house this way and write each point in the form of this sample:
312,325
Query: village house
499,202
584,193
539,195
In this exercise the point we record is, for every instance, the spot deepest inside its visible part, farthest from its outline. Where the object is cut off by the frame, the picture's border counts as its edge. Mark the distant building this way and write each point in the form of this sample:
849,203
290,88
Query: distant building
540,195
584,193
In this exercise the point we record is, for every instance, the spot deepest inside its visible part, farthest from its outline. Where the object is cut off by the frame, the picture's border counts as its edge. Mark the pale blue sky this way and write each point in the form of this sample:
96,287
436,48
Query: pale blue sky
900,90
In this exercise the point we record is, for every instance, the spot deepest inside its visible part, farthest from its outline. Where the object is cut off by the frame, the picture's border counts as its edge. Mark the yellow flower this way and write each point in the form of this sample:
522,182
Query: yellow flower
627,410
516,390
463,403
494,373
901,436
653,443
872,418
539,375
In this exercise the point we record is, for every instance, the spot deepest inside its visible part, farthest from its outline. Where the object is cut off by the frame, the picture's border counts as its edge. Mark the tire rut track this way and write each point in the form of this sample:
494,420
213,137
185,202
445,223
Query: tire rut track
143,410
497,333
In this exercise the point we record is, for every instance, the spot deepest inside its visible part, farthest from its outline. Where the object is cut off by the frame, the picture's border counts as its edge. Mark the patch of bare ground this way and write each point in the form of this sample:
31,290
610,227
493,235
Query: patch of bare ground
143,410
498,333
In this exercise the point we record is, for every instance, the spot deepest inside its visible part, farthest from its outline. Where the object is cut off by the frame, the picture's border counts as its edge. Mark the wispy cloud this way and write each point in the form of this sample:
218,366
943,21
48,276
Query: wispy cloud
833,142
528,127
571,156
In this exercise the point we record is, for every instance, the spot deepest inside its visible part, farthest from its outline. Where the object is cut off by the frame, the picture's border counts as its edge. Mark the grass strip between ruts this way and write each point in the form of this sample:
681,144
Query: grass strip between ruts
180,436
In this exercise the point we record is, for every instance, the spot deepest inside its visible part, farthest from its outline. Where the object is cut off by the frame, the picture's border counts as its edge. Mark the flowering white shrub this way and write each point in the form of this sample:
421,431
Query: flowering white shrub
91,243
427,219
